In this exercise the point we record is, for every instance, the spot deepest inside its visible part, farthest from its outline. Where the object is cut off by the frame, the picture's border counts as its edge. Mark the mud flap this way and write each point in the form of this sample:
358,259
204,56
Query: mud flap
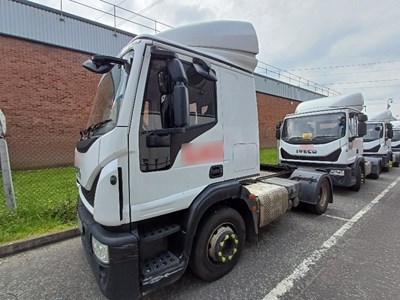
310,184
376,163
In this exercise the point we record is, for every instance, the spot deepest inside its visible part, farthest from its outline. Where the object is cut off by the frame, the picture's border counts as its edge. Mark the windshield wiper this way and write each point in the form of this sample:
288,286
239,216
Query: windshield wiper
295,139
92,128
320,137
291,139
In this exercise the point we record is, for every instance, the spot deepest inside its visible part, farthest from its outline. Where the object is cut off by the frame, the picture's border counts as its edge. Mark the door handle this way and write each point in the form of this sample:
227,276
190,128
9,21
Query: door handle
216,171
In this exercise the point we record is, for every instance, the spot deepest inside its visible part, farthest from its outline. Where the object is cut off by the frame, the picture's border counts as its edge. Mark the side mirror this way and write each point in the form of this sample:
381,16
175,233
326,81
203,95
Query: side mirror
362,117
204,69
390,133
99,69
278,130
180,94
377,128
362,129
102,64
180,105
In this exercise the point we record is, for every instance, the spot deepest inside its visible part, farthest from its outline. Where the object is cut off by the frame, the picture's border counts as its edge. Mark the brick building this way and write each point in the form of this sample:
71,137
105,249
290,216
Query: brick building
46,95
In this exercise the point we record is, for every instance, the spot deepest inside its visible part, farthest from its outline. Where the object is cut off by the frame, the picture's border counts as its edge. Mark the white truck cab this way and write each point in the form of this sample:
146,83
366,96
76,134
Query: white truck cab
326,134
377,141
168,170
395,143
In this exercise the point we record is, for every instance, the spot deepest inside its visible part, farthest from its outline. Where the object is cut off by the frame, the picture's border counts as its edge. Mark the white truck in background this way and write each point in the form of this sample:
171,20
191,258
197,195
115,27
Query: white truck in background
326,134
377,141
395,143
168,172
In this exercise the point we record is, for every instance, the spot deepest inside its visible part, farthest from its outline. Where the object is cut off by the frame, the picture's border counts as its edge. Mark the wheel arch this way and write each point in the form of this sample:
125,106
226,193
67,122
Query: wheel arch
360,161
231,194
310,181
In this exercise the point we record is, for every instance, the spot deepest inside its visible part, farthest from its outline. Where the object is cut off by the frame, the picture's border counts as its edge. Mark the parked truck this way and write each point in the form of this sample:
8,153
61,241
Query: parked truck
395,143
377,141
168,171
326,134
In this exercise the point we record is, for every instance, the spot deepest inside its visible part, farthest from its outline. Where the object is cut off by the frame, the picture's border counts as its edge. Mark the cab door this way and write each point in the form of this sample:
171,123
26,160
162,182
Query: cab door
169,166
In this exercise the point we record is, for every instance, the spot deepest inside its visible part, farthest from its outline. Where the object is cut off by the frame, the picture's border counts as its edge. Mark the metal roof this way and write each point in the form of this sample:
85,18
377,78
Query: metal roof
278,88
27,20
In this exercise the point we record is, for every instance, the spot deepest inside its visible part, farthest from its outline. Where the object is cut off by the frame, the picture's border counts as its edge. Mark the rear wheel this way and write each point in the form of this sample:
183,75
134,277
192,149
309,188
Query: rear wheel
324,197
396,164
218,244
359,174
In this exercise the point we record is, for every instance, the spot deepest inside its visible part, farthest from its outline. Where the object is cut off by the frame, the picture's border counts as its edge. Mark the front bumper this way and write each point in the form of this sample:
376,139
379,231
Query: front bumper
120,278
347,180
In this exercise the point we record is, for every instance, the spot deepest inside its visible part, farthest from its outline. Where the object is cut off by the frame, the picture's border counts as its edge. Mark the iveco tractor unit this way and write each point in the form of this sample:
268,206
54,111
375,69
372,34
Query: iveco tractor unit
395,143
168,172
377,141
326,134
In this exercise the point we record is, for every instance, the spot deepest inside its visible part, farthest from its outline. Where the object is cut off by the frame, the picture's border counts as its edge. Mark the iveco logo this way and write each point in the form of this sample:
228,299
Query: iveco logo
306,151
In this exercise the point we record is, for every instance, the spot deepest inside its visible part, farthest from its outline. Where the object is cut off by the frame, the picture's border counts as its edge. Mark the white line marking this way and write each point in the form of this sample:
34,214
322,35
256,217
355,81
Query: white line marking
338,218
301,270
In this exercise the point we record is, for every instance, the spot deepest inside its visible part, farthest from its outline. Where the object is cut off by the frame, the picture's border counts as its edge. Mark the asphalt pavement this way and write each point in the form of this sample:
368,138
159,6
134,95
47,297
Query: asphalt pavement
350,252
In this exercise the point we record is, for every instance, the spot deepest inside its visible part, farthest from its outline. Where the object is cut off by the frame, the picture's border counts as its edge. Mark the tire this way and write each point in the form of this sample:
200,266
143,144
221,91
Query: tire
396,164
324,197
218,244
357,186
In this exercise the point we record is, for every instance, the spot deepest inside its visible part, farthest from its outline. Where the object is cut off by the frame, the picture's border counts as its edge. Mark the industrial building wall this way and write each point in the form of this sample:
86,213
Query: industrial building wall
46,96
271,110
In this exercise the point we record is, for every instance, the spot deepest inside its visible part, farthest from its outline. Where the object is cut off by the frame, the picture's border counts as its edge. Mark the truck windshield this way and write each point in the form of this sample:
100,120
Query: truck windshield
315,129
374,132
396,136
109,99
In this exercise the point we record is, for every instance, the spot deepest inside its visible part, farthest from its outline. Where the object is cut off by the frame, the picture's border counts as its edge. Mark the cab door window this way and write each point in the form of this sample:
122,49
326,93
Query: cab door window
156,113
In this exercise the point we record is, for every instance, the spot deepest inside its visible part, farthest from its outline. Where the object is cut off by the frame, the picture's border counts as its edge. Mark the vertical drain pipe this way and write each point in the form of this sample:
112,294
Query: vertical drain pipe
5,166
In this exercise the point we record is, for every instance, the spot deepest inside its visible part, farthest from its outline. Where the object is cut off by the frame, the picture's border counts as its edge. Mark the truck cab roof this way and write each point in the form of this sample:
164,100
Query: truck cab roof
353,101
232,42
383,116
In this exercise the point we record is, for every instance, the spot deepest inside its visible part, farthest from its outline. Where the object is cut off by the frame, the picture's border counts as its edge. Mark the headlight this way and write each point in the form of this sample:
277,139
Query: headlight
101,251
337,172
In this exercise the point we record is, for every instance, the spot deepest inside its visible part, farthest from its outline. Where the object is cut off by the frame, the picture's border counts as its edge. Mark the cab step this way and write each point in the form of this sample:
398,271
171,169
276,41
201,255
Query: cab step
160,266
159,232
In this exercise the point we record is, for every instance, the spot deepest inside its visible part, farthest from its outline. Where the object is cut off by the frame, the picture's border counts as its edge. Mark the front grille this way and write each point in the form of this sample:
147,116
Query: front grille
374,149
89,194
331,157
396,147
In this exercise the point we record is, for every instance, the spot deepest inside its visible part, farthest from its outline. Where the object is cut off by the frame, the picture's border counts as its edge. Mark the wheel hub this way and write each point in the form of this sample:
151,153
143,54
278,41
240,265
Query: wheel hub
223,244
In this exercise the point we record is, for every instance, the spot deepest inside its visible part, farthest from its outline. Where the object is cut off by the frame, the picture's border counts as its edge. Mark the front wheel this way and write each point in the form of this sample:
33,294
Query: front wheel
359,174
324,197
218,244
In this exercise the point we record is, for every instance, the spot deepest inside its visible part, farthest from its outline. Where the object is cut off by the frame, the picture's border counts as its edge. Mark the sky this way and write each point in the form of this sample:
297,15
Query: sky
345,45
